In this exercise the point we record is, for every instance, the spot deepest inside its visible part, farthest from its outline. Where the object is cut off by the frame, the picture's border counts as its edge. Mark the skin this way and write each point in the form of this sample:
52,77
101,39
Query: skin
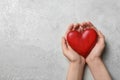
77,62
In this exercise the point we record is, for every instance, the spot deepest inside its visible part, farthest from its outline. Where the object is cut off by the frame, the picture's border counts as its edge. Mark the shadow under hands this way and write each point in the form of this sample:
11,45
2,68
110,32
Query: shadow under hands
105,55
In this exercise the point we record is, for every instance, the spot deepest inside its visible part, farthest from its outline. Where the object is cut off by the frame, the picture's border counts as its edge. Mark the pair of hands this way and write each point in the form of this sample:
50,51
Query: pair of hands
74,57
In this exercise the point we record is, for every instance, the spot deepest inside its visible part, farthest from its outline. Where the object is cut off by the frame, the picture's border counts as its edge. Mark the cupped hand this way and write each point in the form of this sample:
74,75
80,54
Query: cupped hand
68,52
96,52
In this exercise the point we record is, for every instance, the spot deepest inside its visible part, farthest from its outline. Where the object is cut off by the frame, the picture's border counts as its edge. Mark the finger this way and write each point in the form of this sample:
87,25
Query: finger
100,34
90,25
69,47
64,45
76,26
101,38
80,29
70,27
86,28
84,24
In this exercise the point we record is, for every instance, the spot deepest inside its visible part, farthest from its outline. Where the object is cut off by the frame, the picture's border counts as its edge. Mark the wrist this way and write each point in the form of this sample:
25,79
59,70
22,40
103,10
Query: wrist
75,70
92,59
78,62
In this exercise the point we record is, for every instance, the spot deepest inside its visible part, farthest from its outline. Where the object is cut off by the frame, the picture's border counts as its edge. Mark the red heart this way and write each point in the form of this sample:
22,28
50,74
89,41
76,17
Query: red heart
82,42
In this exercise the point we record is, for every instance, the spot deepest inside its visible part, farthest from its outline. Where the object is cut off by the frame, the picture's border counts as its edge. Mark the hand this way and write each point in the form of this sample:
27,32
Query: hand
95,63
77,62
98,48
70,54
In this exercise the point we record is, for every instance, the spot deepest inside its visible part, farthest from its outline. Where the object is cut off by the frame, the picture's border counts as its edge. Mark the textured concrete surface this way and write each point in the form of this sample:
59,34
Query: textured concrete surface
31,30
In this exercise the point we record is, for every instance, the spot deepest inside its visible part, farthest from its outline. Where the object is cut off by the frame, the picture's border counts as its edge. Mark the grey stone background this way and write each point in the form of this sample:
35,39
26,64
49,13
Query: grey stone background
31,30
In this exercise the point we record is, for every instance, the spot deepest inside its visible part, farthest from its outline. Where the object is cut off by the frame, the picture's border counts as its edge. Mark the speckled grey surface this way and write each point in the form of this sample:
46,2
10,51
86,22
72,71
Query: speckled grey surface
31,30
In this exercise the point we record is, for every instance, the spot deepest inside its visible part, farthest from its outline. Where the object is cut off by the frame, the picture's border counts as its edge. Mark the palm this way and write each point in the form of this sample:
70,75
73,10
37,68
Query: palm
67,50
98,48
72,55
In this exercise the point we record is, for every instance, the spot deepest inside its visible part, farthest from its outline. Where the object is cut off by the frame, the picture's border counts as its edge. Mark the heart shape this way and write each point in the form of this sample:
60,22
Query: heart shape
82,42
